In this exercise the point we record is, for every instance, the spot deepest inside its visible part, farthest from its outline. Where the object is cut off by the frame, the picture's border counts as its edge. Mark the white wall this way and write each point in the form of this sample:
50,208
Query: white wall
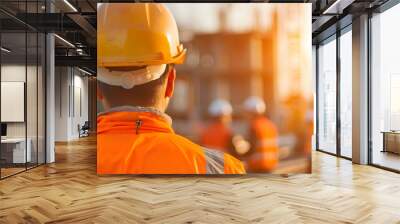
61,103
33,126
80,100
71,94
15,73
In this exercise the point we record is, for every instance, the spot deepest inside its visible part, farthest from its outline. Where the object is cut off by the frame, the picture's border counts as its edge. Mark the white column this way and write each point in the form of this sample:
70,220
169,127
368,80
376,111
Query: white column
50,98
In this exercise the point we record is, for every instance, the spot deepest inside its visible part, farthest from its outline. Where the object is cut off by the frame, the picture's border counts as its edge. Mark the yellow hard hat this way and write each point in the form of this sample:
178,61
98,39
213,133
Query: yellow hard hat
137,34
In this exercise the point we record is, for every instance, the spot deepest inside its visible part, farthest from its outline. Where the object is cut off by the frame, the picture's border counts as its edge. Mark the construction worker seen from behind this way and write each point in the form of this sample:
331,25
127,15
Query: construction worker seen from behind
263,155
138,47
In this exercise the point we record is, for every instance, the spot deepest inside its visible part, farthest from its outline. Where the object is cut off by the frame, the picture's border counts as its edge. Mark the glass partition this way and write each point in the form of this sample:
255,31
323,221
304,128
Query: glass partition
14,153
385,89
41,96
327,96
346,93
22,88
31,97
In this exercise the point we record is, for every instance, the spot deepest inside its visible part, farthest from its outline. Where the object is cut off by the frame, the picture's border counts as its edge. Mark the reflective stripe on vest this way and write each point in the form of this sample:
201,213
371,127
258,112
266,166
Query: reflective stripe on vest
214,161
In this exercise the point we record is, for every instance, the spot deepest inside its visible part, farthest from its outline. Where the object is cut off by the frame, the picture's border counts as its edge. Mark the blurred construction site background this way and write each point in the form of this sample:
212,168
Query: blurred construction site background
239,50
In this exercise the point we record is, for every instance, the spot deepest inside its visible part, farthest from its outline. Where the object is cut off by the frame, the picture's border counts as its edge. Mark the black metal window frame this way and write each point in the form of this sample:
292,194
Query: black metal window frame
387,5
334,37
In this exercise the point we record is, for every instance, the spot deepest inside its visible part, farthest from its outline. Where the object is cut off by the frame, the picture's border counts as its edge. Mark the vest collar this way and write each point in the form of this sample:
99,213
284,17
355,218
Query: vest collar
137,119
152,110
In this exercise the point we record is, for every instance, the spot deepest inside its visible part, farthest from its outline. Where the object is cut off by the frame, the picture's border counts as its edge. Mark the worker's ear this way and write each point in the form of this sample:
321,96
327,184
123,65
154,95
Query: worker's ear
170,83
99,93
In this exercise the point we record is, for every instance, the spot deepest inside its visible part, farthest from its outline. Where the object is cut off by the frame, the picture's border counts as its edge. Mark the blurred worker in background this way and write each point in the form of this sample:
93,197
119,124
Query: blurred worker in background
263,154
138,45
218,135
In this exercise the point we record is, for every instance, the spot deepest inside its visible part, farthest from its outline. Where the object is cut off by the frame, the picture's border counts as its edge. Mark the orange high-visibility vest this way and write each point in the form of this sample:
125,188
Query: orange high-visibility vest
218,136
265,144
139,141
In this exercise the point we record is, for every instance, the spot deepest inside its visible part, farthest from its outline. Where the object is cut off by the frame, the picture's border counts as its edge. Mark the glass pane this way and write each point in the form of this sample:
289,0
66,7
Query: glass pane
32,88
386,89
13,86
327,97
31,97
41,98
346,94
22,89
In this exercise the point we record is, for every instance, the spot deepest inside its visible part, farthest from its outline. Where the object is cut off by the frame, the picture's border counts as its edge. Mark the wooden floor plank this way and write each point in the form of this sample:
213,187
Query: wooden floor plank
70,191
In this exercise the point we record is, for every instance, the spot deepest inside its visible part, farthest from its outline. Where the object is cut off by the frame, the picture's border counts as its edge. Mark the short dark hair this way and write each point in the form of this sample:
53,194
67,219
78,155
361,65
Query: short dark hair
141,95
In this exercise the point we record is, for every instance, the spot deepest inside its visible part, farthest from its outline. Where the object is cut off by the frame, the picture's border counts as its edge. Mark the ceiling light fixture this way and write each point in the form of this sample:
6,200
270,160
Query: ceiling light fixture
5,50
84,71
64,40
79,51
337,7
70,5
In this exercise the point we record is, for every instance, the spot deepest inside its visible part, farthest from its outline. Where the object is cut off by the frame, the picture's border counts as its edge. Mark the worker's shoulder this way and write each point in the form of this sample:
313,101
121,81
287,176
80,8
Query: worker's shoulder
173,137
177,141
231,165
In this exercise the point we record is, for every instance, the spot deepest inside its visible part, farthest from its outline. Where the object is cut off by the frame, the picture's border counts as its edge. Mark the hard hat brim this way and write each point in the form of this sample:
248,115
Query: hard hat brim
130,79
179,59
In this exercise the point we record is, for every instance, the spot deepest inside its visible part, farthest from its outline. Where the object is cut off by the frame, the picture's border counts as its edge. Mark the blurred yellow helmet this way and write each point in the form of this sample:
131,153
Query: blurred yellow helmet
137,34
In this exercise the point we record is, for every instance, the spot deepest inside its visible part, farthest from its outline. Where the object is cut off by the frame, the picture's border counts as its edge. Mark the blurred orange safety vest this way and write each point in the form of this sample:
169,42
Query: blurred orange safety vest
264,135
218,136
139,140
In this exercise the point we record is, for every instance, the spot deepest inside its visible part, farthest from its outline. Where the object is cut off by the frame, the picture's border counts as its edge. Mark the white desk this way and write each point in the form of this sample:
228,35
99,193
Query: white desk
17,146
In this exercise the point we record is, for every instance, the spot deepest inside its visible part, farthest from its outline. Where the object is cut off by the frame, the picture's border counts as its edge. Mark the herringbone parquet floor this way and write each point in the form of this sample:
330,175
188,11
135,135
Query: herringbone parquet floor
69,191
